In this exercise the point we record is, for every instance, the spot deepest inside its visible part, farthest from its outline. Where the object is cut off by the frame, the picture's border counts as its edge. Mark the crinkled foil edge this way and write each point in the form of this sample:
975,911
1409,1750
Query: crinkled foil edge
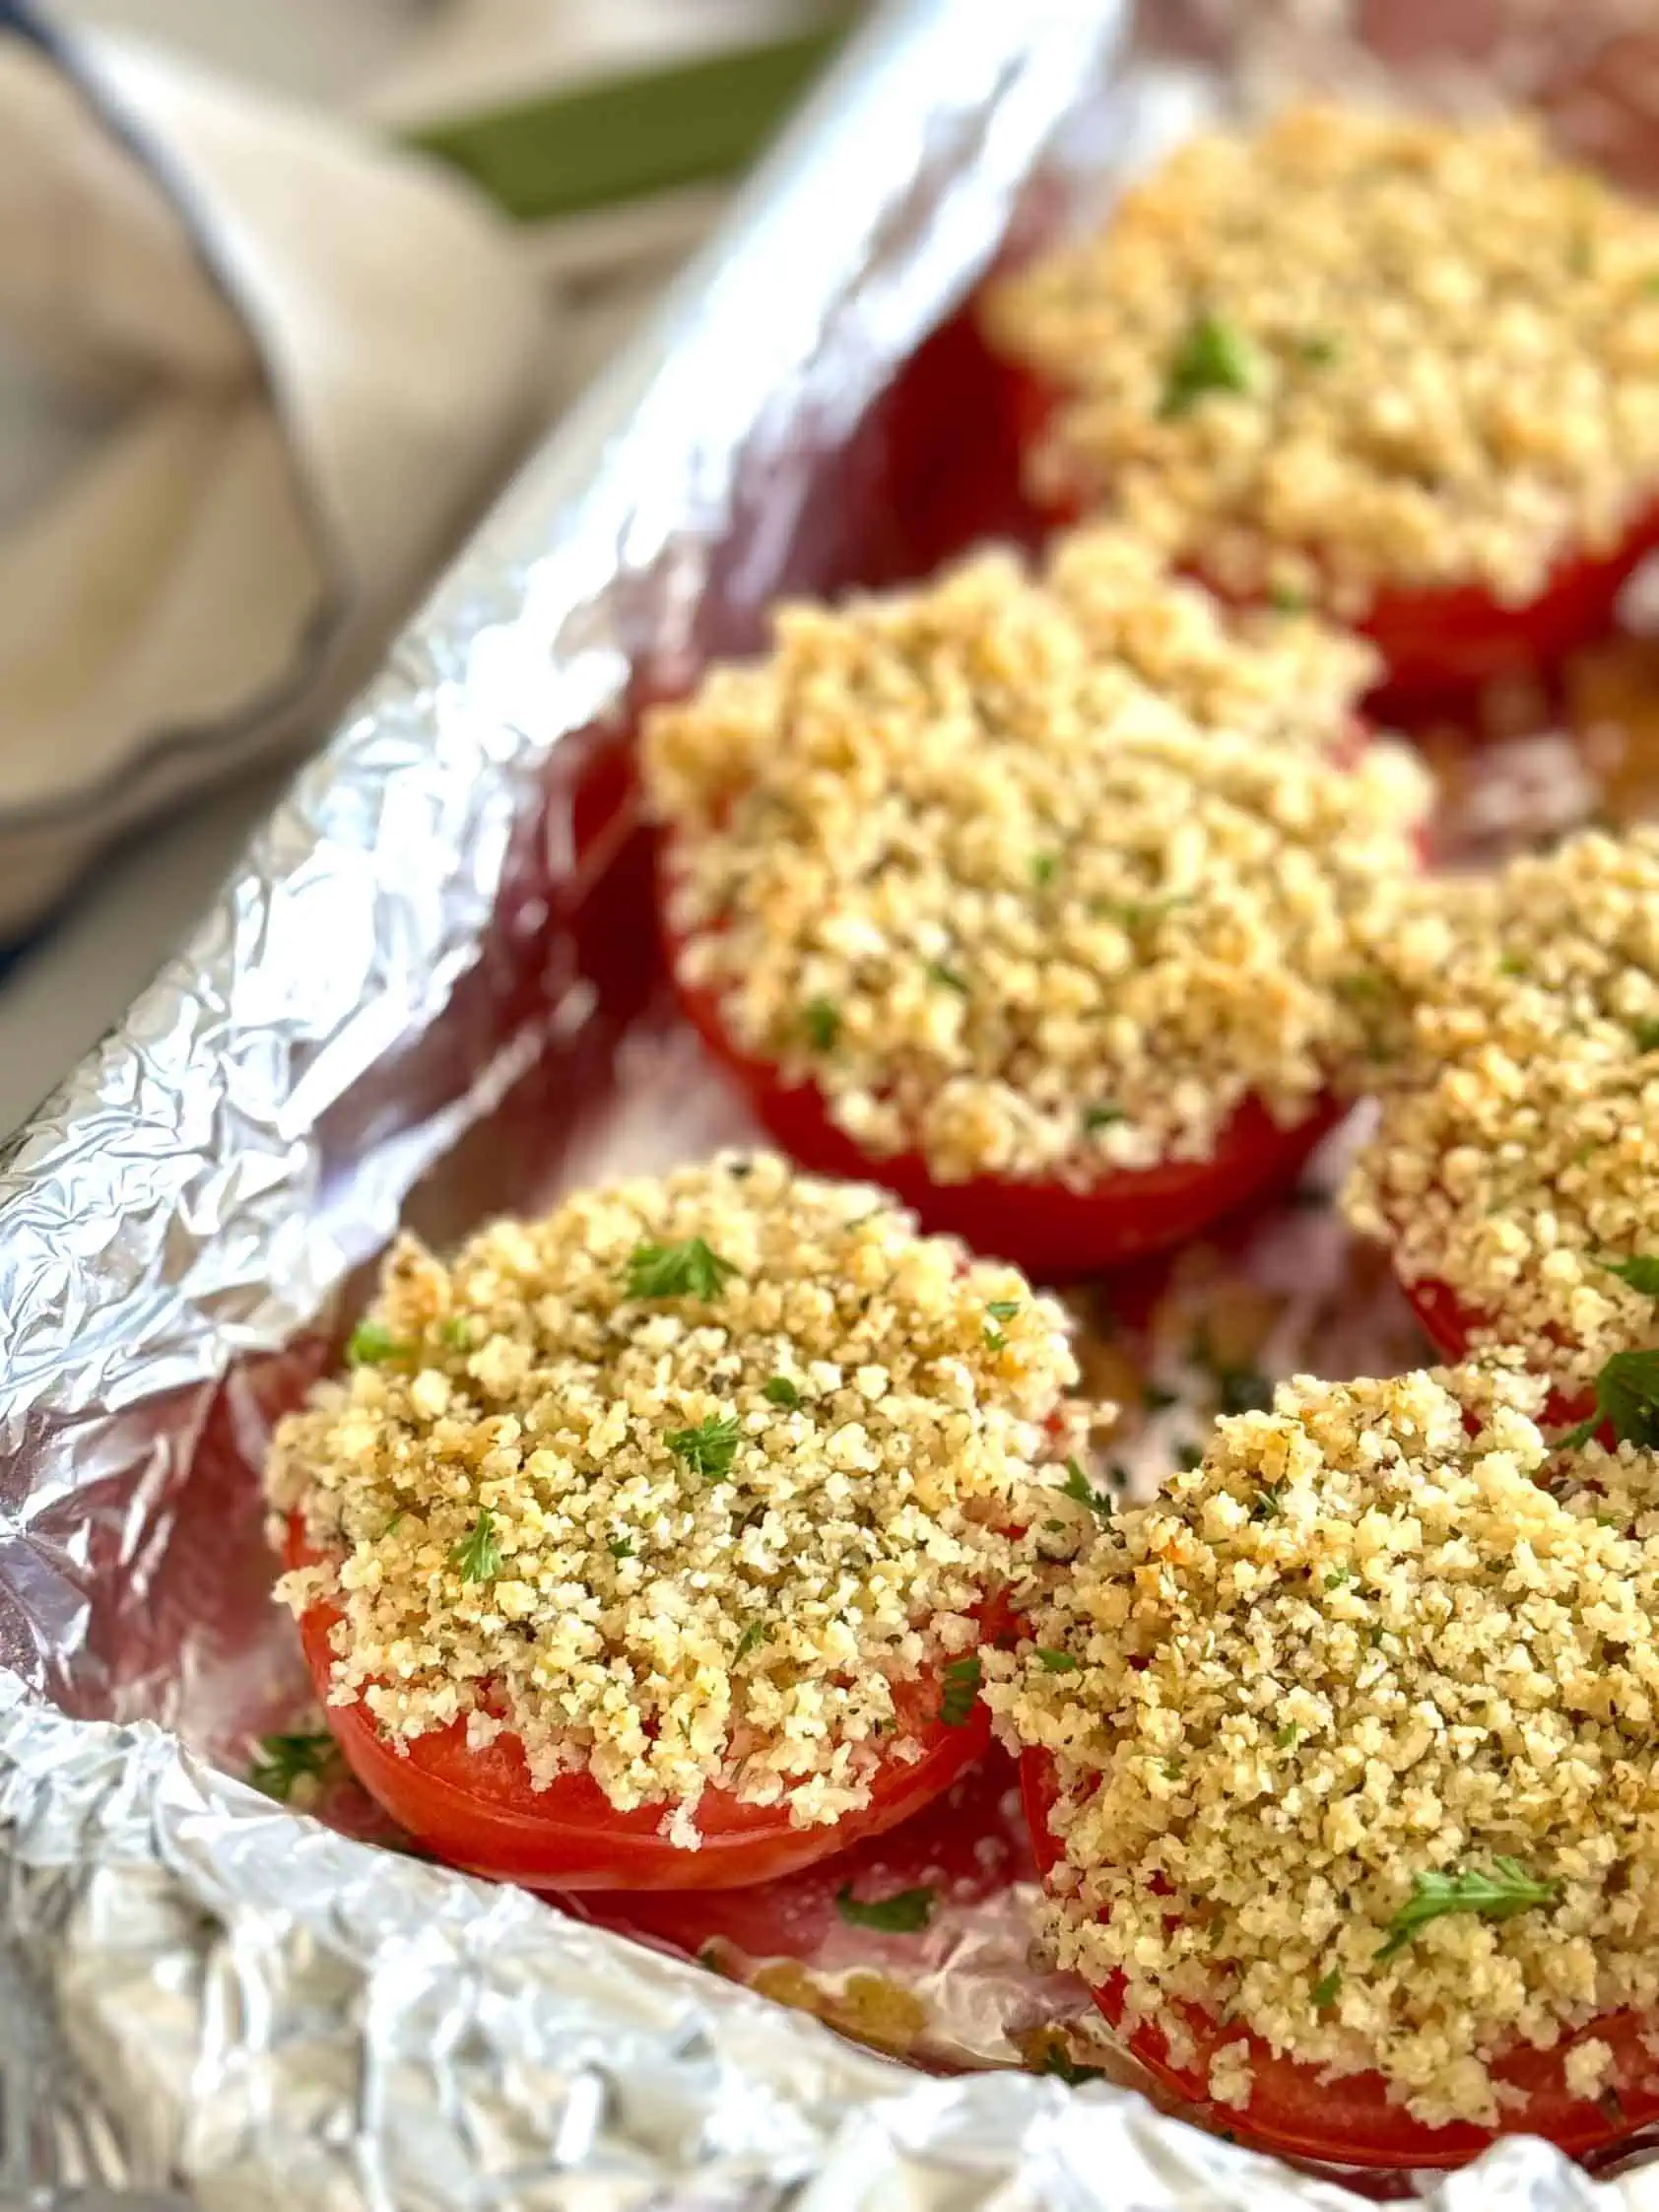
204,1998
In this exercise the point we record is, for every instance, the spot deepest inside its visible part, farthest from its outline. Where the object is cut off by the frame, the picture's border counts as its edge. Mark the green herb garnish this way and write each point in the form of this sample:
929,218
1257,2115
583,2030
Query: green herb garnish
753,1636
1285,599
1267,1506
685,1270
905,1913
1056,1662
1327,1988
370,1345
1513,964
960,1692
1337,1576
1213,356
1101,1118
822,1023
456,1332
279,1762
949,976
710,1449
1046,866
780,1391
621,1547
1646,1035
1287,1737
1078,1486
1626,1396
1498,1896
478,1556
1641,1273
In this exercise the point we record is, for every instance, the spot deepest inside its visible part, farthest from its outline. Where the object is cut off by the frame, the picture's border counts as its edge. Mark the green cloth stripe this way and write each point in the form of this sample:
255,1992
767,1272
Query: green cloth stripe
626,138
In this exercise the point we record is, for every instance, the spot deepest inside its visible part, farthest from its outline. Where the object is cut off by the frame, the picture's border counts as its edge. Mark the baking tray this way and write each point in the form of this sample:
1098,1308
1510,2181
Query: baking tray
434,990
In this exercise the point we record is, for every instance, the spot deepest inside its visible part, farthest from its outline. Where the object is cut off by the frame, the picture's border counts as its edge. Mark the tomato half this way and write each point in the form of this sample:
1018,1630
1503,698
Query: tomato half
1450,1327
1438,645
1048,1230
1350,2121
477,1809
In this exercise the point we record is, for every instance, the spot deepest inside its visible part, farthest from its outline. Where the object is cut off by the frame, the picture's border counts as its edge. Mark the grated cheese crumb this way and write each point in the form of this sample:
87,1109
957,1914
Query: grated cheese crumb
949,856
1361,1644
1354,350
570,1510
1517,1160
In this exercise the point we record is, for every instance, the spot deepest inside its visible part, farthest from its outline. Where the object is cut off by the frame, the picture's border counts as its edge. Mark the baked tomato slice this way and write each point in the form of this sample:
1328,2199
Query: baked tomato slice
476,1808
1296,2110
1050,1230
1450,1326
1438,645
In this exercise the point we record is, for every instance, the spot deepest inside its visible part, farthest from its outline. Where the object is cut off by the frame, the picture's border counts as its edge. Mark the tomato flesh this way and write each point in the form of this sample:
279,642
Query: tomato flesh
1049,1230
1350,2121
476,1808
1438,645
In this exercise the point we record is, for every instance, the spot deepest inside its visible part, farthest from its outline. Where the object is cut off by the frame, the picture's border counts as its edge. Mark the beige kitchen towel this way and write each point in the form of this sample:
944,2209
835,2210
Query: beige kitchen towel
310,360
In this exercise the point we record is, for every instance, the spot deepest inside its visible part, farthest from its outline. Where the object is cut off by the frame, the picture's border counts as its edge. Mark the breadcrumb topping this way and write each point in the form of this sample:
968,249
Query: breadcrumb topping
683,1485
1353,349
1353,1732
947,855
1516,1159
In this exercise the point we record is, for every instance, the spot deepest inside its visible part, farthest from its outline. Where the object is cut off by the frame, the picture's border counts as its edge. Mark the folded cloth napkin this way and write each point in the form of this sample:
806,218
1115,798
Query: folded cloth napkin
311,360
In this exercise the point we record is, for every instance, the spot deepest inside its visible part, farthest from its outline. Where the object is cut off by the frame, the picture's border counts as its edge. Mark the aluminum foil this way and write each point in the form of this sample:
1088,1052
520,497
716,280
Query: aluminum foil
431,991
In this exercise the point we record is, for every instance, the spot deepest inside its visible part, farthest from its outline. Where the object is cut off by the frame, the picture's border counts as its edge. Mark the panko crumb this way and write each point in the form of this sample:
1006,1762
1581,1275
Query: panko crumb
950,857
1360,1647
686,1516
1516,1159
1353,349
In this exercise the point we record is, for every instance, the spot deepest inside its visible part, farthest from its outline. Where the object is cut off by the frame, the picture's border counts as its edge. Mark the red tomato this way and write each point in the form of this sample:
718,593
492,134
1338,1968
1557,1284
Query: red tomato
477,1809
1350,2121
1438,643
1449,1327
1052,1231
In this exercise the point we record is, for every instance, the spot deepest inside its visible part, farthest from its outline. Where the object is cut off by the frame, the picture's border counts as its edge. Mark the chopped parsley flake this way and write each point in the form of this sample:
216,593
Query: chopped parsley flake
1101,1118
952,979
1213,356
1327,1988
1337,1576
1078,1486
752,1638
687,1270
1285,599
710,1449
1044,868
1646,1035
456,1332
961,1691
621,1547
1267,1506
369,1345
478,1556
822,1023
780,1391
1498,1896
905,1913
279,1762
1287,1736
1056,1662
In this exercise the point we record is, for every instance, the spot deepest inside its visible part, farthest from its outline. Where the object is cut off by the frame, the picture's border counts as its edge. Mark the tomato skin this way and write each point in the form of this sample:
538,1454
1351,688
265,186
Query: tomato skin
1449,1327
1350,2121
1053,1232
477,1809
1438,645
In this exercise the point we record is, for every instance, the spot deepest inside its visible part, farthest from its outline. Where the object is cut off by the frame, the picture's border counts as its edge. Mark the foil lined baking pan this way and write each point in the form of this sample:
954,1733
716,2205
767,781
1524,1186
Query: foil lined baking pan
434,991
